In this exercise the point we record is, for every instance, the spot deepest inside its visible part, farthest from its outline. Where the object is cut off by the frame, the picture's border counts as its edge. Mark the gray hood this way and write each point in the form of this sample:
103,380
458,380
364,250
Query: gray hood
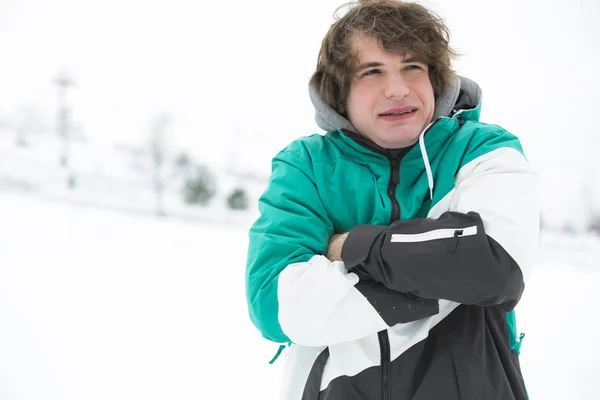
470,95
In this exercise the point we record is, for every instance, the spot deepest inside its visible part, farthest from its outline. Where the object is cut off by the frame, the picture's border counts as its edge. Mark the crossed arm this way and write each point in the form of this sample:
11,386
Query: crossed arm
393,274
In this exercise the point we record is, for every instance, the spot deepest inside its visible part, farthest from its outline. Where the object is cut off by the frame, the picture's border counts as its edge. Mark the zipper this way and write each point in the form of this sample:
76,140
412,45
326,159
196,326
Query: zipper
383,336
393,183
394,172
384,349
384,339
434,235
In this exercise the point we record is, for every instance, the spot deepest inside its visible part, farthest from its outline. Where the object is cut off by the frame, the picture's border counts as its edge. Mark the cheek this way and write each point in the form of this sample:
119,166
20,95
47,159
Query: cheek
431,100
351,107
366,97
358,101
427,96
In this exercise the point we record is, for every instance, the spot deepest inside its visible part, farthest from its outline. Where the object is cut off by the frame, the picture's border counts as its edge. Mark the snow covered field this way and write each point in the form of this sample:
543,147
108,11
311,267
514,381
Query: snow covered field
95,304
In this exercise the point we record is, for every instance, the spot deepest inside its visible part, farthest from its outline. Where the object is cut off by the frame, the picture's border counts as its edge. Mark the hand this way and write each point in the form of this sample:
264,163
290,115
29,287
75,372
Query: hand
334,250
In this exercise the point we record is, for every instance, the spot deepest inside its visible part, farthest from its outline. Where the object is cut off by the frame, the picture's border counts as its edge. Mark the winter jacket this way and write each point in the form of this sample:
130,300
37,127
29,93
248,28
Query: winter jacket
442,239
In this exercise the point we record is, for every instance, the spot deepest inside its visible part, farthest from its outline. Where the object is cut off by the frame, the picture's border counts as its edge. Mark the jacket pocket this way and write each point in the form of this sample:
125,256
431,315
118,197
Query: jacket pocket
472,385
435,234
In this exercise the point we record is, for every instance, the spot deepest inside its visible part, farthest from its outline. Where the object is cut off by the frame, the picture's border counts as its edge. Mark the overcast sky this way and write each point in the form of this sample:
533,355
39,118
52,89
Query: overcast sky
234,74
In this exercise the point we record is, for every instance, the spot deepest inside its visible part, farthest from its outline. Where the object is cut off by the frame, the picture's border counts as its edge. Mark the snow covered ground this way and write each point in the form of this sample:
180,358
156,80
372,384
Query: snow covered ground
97,304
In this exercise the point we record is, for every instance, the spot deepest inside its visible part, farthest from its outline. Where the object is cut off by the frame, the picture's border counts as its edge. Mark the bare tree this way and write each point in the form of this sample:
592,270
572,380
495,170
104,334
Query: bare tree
159,146
63,81
29,122
590,207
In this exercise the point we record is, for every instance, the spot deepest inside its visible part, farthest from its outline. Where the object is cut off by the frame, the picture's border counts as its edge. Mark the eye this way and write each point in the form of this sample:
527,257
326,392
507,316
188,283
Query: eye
371,72
413,67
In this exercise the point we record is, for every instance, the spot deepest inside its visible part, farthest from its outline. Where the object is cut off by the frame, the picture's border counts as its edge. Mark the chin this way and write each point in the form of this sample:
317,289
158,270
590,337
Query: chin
399,142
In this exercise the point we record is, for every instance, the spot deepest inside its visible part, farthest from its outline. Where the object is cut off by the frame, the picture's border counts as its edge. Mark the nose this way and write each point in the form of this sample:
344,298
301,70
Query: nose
396,87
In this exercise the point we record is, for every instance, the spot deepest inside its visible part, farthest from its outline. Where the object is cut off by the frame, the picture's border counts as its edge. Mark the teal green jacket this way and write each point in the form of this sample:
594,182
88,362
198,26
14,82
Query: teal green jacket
445,225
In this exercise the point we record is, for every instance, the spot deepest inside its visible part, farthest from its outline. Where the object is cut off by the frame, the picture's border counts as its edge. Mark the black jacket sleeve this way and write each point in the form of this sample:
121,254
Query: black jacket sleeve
448,258
395,307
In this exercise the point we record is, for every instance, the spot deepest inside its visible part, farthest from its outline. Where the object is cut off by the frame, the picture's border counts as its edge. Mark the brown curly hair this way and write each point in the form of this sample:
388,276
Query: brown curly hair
399,27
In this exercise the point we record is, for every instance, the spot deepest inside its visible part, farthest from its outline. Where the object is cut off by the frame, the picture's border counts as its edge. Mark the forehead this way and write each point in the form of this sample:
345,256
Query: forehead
363,44
367,48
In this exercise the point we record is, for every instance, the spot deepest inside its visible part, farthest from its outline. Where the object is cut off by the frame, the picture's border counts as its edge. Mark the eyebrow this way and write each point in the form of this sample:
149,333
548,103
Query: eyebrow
368,65
373,64
413,60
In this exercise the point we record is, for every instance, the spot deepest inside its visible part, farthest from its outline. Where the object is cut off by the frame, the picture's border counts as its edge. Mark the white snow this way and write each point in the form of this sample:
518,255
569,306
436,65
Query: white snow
98,304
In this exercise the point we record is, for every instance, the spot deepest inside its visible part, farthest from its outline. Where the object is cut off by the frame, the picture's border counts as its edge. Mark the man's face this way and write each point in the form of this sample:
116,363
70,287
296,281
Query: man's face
391,98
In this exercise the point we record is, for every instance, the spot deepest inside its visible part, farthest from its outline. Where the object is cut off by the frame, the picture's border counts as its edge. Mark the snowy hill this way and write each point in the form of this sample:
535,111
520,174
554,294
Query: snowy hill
98,304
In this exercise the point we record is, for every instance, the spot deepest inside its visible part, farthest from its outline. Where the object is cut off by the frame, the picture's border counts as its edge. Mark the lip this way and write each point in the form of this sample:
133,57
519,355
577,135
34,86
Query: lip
399,118
398,109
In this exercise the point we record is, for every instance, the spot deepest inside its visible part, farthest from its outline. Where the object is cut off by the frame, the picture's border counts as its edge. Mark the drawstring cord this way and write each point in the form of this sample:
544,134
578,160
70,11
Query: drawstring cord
278,354
426,160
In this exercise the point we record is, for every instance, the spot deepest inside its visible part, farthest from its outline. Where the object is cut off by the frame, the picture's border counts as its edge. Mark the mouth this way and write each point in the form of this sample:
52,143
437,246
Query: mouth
396,113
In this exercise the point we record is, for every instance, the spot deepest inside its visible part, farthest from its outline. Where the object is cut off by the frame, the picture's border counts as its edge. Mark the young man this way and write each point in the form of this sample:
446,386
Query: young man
428,218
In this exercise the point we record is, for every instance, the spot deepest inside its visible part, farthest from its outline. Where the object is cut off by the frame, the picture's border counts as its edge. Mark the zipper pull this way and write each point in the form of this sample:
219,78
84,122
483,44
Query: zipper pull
519,343
454,242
